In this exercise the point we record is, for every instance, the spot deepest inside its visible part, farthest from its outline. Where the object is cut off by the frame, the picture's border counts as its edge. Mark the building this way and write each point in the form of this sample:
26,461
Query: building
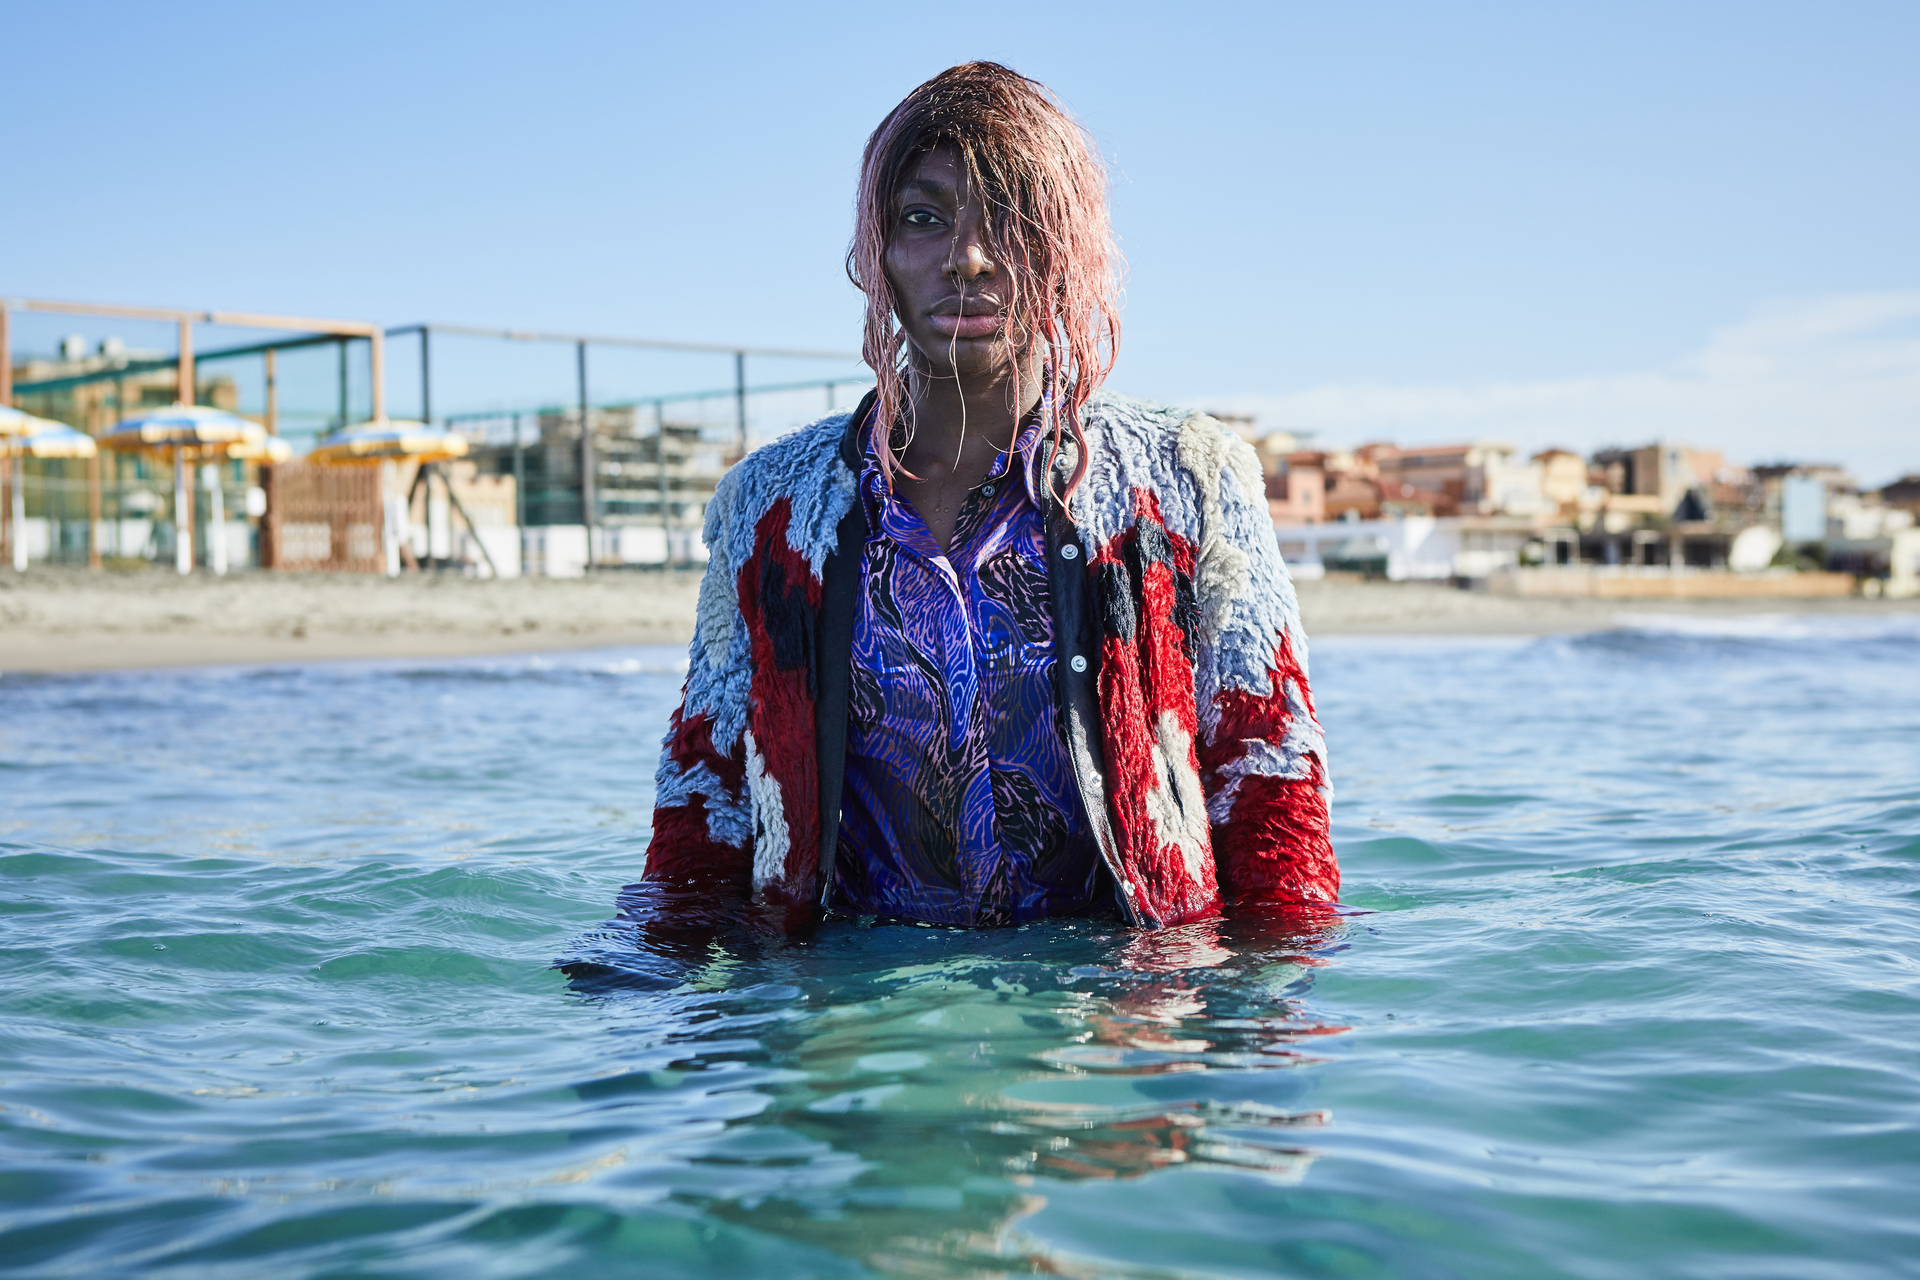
652,480
1563,478
1297,488
1903,493
1482,478
1467,511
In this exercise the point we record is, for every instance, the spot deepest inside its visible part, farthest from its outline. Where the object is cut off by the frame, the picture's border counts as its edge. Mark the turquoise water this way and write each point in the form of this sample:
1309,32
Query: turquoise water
1630,990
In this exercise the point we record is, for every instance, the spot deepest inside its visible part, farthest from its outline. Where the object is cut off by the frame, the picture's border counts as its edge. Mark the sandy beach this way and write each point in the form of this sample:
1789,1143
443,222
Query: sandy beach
70,620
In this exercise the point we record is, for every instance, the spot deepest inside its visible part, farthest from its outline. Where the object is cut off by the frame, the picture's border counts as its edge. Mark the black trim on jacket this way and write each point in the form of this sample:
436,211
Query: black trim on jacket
1075,635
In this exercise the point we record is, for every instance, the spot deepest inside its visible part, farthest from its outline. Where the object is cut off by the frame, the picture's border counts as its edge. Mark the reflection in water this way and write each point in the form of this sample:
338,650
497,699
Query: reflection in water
912,1093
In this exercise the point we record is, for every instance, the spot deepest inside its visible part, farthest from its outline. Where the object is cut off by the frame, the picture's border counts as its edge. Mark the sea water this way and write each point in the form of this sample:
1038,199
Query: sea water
1627,988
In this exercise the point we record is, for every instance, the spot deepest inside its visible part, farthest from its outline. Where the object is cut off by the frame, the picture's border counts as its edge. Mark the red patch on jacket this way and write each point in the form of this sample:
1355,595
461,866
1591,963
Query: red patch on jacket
780,601
684,854
1274,846
1146,678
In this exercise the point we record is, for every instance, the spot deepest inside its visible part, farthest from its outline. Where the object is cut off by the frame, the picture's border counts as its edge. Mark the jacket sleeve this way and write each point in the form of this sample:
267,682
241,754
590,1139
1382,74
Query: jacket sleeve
1262,754
701,851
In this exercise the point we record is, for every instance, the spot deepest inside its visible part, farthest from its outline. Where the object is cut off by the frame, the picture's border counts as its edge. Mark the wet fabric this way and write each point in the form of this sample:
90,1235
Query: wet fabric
960,805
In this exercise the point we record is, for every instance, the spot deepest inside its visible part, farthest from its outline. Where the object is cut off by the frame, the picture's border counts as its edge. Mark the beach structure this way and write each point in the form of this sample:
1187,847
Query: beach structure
312,329
24,436
595,489
601,505
384,444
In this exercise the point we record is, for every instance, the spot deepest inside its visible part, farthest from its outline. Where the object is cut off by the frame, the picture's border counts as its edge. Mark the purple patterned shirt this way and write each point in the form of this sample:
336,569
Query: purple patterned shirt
960,805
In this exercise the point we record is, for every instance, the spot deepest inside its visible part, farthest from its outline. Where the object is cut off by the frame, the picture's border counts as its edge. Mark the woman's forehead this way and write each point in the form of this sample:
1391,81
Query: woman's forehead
936,172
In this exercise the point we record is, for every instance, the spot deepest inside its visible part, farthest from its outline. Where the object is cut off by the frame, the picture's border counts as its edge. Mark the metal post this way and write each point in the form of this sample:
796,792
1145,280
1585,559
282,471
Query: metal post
182,516
216,519
6,359
390,519
660,460
422,483
93,495
377,372
519,476
587,512
426,379
273,393
520,494
341,348
740,398
186,392
17,465
119,492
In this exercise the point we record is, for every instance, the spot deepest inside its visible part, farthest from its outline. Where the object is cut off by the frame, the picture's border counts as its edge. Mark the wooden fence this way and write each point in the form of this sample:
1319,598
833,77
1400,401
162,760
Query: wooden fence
321,518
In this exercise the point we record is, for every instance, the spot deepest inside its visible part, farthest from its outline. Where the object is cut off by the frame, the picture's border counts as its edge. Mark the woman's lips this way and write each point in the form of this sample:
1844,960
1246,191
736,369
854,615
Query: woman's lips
966,326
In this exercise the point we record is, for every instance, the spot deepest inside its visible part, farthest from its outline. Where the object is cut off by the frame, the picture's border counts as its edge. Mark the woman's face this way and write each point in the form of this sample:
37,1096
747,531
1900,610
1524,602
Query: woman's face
948,292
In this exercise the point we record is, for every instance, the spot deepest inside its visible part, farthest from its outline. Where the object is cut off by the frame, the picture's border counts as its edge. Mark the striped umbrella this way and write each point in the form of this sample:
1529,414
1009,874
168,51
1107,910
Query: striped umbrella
385,440
180,426
51,440
24,436
176,431
260,447
14,422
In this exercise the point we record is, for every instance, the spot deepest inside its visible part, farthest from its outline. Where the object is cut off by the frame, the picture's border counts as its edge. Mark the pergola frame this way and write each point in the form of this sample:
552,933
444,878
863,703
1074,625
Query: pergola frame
373,333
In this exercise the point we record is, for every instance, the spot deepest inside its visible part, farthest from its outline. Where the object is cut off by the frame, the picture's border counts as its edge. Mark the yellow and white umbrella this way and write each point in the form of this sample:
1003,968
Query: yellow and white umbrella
385,440
257,447
180,426
24,436
16,422
178,430
51,440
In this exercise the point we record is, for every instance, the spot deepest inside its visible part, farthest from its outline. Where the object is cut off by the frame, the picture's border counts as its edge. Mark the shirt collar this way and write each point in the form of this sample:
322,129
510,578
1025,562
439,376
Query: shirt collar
1027,448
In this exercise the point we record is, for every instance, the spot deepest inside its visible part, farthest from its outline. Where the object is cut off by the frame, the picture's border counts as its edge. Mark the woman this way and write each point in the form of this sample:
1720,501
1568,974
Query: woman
994,646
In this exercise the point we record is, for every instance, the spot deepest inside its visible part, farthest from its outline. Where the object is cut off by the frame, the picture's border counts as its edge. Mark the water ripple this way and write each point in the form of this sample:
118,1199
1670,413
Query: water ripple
1629,985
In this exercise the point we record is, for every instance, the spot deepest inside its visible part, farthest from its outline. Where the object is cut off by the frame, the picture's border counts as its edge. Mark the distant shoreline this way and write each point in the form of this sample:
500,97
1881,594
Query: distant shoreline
66,620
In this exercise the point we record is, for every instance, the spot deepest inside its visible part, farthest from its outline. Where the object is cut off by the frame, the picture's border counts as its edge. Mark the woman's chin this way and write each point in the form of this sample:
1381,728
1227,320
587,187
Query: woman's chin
968,357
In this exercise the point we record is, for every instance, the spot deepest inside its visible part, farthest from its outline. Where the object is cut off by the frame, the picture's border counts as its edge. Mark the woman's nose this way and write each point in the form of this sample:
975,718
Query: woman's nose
970,263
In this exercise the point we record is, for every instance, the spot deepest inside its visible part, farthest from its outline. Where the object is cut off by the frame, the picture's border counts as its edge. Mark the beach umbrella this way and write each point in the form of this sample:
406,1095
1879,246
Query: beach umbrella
259,447
15,422
177,430
24,436
51,440
179,426
387,442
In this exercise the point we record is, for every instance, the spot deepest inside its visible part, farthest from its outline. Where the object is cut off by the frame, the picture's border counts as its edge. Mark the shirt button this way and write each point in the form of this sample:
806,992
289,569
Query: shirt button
987,489
1079,662
1070,552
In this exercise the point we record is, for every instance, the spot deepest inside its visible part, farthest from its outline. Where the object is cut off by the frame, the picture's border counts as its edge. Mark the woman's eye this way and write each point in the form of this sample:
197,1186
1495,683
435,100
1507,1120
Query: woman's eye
920,218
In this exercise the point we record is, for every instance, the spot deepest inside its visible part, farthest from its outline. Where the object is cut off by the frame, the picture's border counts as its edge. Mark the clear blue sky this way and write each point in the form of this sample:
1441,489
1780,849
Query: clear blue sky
1552,222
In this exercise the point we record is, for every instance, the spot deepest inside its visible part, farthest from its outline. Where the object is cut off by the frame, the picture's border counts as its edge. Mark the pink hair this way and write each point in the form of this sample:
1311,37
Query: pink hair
1047,226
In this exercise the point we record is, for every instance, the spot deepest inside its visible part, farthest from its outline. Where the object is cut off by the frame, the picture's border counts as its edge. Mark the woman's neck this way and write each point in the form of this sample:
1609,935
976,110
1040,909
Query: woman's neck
961,424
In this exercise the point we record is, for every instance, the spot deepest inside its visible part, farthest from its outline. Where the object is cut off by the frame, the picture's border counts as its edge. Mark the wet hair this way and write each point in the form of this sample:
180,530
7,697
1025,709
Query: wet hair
1045,192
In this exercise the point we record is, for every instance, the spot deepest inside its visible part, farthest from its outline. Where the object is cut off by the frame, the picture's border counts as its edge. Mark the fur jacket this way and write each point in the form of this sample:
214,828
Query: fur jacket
1181,676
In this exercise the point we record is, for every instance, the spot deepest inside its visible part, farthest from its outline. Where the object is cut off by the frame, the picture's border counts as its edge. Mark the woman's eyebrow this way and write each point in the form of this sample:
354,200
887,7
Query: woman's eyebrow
928,187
